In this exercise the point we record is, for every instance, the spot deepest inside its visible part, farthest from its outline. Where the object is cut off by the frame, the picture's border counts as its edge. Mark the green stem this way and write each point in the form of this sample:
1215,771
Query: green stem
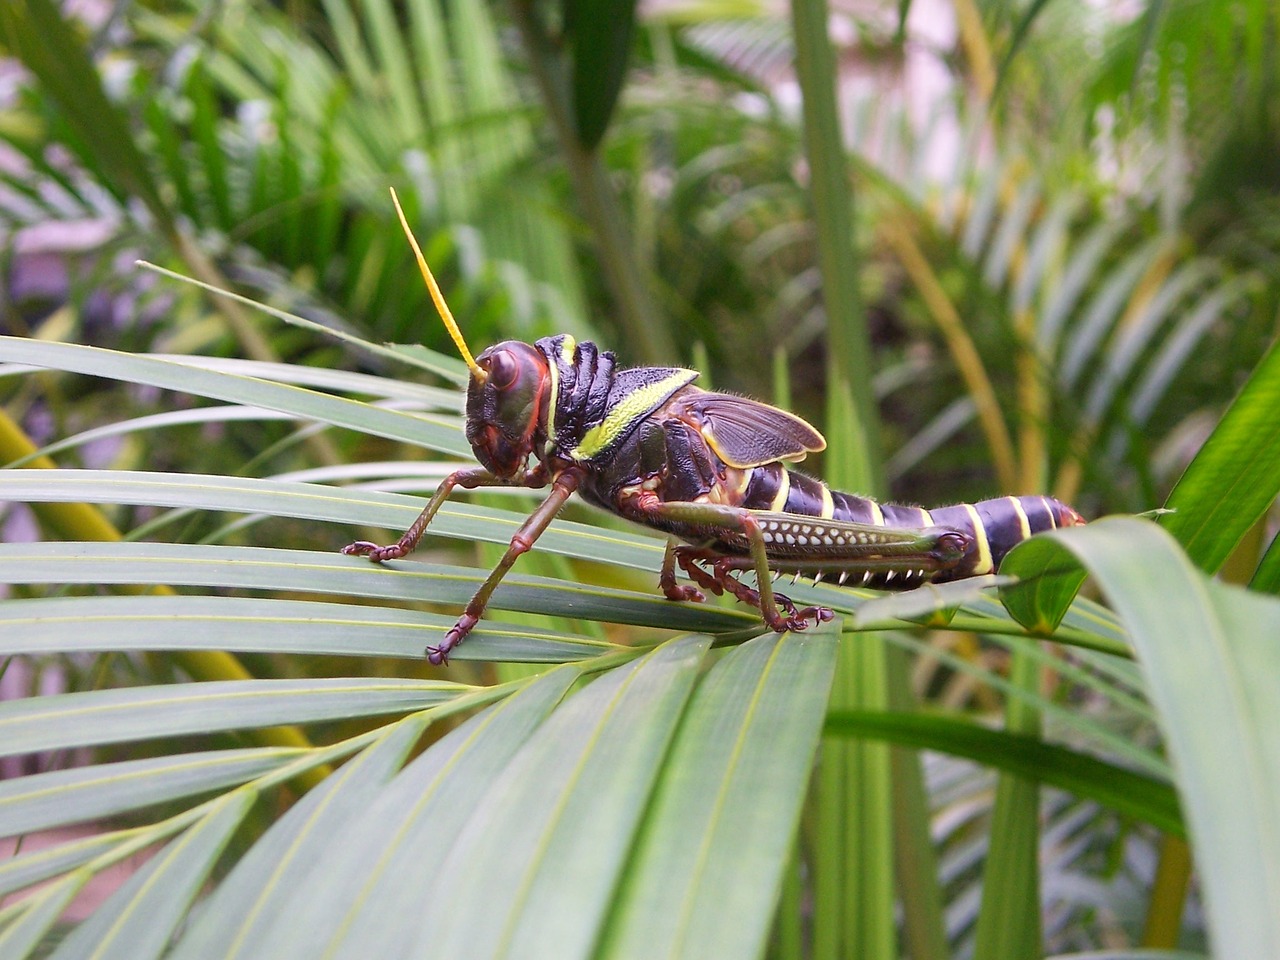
914,858
855,462
1168,895
1009,918
854,864
648,339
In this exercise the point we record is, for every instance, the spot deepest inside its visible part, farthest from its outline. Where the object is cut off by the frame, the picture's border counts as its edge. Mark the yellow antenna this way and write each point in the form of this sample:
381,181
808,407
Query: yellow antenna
441,307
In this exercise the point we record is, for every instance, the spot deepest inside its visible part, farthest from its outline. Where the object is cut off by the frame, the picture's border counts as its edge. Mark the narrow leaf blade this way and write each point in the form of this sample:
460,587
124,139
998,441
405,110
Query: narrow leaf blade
137,920
739,768
1210,655
1235,477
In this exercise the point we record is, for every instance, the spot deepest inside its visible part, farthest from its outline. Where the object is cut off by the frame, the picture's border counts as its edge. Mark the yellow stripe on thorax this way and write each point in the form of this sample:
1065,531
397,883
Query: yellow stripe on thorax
636,404
567,346
983,564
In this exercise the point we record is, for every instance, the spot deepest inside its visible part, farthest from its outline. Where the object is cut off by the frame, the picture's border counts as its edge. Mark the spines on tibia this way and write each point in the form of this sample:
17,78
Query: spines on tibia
993,527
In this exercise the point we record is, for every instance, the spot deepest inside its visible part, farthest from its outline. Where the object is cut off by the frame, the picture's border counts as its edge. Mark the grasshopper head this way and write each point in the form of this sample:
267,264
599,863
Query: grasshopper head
506,405
507,395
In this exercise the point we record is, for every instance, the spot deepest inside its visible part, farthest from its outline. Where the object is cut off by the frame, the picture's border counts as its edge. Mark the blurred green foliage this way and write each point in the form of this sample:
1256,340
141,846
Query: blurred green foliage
1066,261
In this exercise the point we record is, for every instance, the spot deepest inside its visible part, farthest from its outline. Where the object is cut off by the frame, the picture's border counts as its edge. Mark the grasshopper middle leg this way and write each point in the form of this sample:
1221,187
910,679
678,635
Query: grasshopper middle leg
469,479
538,521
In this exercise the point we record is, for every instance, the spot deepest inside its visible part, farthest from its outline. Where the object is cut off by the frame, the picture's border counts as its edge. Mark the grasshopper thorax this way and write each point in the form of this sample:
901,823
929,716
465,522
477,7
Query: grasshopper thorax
507,406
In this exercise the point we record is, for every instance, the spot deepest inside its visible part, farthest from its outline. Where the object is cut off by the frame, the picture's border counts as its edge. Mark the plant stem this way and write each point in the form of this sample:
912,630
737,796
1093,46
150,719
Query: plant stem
853,463
648,339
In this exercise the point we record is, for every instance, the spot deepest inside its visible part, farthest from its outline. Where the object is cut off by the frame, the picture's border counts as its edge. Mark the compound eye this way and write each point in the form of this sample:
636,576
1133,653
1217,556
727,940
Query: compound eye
503,369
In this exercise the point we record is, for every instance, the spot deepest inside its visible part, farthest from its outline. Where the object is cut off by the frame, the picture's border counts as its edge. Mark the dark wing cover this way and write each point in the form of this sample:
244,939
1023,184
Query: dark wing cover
746,433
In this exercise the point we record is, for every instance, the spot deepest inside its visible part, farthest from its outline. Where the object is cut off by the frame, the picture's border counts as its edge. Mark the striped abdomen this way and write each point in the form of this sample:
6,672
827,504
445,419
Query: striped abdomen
993,527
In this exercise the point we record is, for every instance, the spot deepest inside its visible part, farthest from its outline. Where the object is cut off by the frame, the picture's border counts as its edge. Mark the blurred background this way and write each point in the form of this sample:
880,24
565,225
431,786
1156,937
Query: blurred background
1051,260
1089,191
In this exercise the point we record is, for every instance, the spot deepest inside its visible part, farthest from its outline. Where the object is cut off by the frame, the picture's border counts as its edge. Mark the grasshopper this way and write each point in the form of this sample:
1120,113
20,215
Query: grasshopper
710,469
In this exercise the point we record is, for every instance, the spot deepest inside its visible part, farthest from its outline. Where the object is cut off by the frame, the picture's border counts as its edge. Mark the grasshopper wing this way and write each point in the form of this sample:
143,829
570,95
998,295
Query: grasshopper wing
746,433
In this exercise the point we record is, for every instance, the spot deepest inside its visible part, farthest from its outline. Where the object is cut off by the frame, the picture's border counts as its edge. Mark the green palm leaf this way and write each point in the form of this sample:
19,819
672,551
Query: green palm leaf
1209,654
628,799
294,849
134,713
90,793
386,855
139,918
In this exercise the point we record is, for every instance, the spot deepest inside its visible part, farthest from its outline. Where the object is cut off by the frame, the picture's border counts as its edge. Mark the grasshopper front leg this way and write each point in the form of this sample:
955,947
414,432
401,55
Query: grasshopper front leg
529,531
469,479
561,489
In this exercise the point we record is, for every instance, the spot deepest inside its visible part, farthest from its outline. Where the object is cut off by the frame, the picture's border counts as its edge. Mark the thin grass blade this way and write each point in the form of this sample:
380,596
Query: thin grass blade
137,713
60,797
138,919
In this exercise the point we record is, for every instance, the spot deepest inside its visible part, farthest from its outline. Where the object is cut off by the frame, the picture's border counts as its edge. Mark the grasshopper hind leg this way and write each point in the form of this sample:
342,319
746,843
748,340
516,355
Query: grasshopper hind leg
667,581
796,618
781,615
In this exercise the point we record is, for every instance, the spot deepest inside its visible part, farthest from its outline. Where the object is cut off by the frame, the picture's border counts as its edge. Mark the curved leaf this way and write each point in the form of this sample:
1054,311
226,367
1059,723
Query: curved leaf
318,502
1046,585
1236,475
235,917
306,571
599,35
1089,729
23,870
382,863
1131,794
138,919
424,430
138,713
39,913
933,604
1210,655
1267,577
219,414
533,868
44,800
414,355
268,625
